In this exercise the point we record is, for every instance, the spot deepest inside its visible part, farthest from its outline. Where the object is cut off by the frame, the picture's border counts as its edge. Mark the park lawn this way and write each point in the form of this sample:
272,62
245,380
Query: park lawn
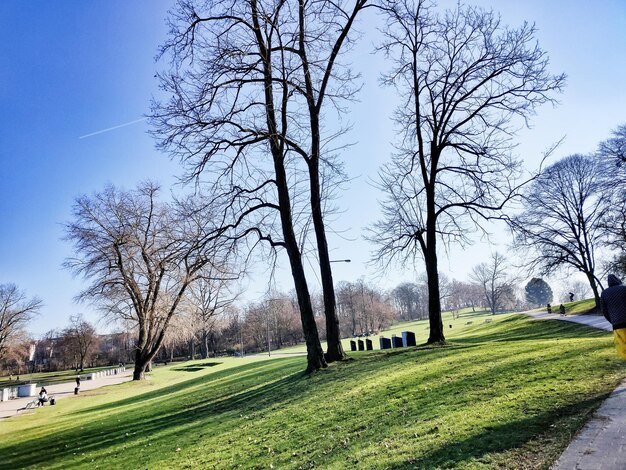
578,307
49,378
506,394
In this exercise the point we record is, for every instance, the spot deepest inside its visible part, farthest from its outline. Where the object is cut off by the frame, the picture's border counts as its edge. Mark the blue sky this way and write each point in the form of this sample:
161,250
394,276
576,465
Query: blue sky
72,68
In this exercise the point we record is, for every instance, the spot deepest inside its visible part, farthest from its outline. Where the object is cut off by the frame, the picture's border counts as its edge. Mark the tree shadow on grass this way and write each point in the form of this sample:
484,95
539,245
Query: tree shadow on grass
511,436
196,367
222,412
518,328
252,370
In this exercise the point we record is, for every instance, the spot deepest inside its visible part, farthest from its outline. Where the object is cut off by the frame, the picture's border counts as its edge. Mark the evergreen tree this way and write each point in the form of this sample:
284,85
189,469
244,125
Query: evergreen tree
538,292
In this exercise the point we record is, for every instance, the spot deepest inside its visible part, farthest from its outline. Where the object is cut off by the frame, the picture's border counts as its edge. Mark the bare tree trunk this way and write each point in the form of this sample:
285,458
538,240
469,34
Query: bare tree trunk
594,288
205,344
334,350
315,354
192,349
434,304
139,373
432,273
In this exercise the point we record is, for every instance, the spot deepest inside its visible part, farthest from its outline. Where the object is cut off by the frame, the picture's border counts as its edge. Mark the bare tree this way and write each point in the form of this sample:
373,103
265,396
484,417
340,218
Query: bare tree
347,307
496,281
363,307
179,335
253,79
16,310
16,353
466,81
614,148
562,218
463,295
612,163
140,256
580,289
84,338
207,299
407,297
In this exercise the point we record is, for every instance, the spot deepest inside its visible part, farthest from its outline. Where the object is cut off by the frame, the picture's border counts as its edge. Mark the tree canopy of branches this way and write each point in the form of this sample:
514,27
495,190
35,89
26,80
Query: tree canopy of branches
139,256
612,162
614,148
462,295
207,299
363,308
249,83
538,292
496,282
562,218
83,338
409,300
16,310
465,81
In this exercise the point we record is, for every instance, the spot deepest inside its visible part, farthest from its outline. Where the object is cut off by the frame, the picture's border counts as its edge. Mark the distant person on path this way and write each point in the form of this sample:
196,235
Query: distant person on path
549,308
43,397
613,304
562,310
78,381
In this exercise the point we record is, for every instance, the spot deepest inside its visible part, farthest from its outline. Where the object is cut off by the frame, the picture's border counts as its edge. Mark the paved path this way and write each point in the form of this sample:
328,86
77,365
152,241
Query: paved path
601,443
63,390
595,321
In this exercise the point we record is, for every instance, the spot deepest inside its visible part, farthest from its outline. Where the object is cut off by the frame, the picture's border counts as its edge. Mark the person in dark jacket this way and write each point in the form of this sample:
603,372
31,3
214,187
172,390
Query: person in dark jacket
613,304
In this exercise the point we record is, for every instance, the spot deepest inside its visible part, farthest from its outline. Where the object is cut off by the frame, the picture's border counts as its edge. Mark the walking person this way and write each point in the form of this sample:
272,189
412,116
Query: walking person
613,304
77,389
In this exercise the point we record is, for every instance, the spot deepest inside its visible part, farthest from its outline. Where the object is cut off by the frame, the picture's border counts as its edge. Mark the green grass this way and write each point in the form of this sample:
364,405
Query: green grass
49,378
507,394
578,307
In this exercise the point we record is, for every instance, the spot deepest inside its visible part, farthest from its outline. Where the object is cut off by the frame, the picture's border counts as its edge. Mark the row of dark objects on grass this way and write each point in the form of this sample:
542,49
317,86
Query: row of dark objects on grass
407,339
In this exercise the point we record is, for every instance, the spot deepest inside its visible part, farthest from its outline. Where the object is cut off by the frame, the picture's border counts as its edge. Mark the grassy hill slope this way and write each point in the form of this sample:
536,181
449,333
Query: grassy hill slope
507,394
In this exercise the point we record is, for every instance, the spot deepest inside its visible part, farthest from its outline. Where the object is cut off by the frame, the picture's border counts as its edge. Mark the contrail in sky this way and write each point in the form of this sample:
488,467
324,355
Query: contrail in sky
113,128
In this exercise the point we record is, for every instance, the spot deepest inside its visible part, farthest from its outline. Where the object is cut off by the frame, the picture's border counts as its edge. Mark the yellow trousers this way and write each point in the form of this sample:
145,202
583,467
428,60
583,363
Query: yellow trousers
619,337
